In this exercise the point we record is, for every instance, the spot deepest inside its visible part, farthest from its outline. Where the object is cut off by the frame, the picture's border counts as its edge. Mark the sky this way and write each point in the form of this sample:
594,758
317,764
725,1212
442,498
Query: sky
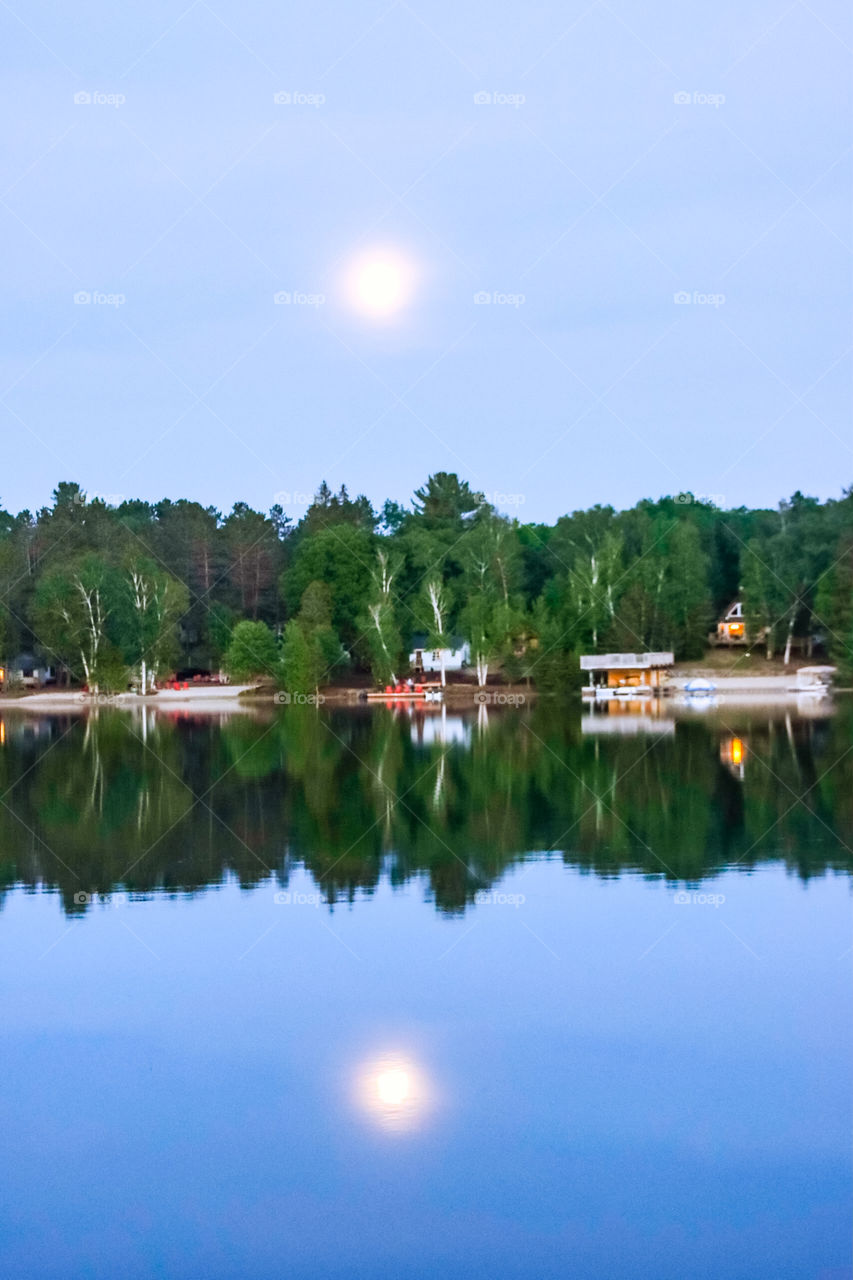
618,240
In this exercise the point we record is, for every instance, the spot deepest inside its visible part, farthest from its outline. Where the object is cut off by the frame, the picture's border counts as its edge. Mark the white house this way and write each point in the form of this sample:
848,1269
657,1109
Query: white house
29,672
423,658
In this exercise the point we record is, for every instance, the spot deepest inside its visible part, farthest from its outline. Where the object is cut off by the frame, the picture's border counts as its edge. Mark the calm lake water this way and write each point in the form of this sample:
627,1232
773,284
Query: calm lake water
523,992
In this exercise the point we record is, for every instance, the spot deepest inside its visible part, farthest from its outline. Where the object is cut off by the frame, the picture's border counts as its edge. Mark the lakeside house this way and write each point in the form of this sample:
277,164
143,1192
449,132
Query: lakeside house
422,658
616,675
28,672
731,628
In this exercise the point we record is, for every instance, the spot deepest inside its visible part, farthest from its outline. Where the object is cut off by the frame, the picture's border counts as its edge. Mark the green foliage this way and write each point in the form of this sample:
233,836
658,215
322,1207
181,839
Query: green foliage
446,498
149,606
656,576
252,652
834,608
311,649
381,639
111,674
342,557
73,605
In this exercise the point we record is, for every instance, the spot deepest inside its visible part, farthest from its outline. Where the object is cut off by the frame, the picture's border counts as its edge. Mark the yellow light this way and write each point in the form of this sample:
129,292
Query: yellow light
380,283
736,751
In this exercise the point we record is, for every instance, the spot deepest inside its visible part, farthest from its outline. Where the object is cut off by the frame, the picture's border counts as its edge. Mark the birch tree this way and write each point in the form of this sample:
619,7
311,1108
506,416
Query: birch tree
491,570
378,623
72,606
152,604
437,608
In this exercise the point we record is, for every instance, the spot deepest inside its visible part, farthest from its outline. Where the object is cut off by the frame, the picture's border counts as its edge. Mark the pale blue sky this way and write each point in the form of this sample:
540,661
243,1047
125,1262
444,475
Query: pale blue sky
598,198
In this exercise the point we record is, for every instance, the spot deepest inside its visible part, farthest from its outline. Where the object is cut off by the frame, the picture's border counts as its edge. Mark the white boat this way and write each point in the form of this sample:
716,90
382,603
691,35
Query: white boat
814,681
700,687
623,693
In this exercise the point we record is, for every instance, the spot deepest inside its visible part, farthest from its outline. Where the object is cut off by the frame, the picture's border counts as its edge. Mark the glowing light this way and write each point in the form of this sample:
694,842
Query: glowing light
395,1093
736,751
380,283
392,1087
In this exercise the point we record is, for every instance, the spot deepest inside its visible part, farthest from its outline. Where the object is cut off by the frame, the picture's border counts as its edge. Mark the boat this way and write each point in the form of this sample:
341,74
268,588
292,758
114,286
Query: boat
622,693
425,693
700,688
813,681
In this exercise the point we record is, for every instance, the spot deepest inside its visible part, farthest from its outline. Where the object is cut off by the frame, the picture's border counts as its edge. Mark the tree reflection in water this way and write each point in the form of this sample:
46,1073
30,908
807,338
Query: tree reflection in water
147,803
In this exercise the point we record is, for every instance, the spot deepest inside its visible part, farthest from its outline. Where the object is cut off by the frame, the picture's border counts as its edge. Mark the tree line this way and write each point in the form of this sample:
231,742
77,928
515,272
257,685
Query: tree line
136,591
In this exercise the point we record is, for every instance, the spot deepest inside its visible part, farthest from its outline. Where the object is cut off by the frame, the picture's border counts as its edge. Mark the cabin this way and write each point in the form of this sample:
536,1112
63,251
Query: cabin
625,675
423,658
731,628
27,671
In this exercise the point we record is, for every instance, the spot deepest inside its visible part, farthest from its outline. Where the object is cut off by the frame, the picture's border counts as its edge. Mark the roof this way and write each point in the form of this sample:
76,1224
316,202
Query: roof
420,640
608,661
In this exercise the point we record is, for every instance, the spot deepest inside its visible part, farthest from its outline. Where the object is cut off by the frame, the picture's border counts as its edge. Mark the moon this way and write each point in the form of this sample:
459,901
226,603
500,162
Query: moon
392,1087
380,283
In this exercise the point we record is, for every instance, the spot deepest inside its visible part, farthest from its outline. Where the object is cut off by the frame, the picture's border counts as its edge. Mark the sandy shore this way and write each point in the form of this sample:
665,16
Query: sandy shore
220,698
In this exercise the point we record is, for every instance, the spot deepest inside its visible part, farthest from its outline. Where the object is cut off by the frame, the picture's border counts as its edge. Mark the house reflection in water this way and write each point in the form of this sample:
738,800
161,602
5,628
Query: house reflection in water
733,756
438,728
627,717
628,720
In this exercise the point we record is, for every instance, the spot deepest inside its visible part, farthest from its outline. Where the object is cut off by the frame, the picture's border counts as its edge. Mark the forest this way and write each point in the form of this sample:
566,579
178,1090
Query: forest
132,593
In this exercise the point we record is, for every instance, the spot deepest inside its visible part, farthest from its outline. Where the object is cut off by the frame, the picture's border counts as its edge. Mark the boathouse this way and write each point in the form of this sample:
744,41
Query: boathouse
612,674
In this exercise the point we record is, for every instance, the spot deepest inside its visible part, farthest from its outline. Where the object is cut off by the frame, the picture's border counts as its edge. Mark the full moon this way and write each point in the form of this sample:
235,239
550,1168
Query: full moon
380,283
392,1087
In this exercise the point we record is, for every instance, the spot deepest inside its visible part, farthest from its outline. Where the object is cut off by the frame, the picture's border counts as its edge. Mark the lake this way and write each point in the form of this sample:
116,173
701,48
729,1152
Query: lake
521,991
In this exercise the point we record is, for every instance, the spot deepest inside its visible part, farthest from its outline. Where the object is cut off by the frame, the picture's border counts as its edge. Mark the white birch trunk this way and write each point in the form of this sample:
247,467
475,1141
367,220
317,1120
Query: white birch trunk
788,639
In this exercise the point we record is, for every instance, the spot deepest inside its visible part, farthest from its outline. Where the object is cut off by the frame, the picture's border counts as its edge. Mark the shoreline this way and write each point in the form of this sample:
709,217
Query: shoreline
197,700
